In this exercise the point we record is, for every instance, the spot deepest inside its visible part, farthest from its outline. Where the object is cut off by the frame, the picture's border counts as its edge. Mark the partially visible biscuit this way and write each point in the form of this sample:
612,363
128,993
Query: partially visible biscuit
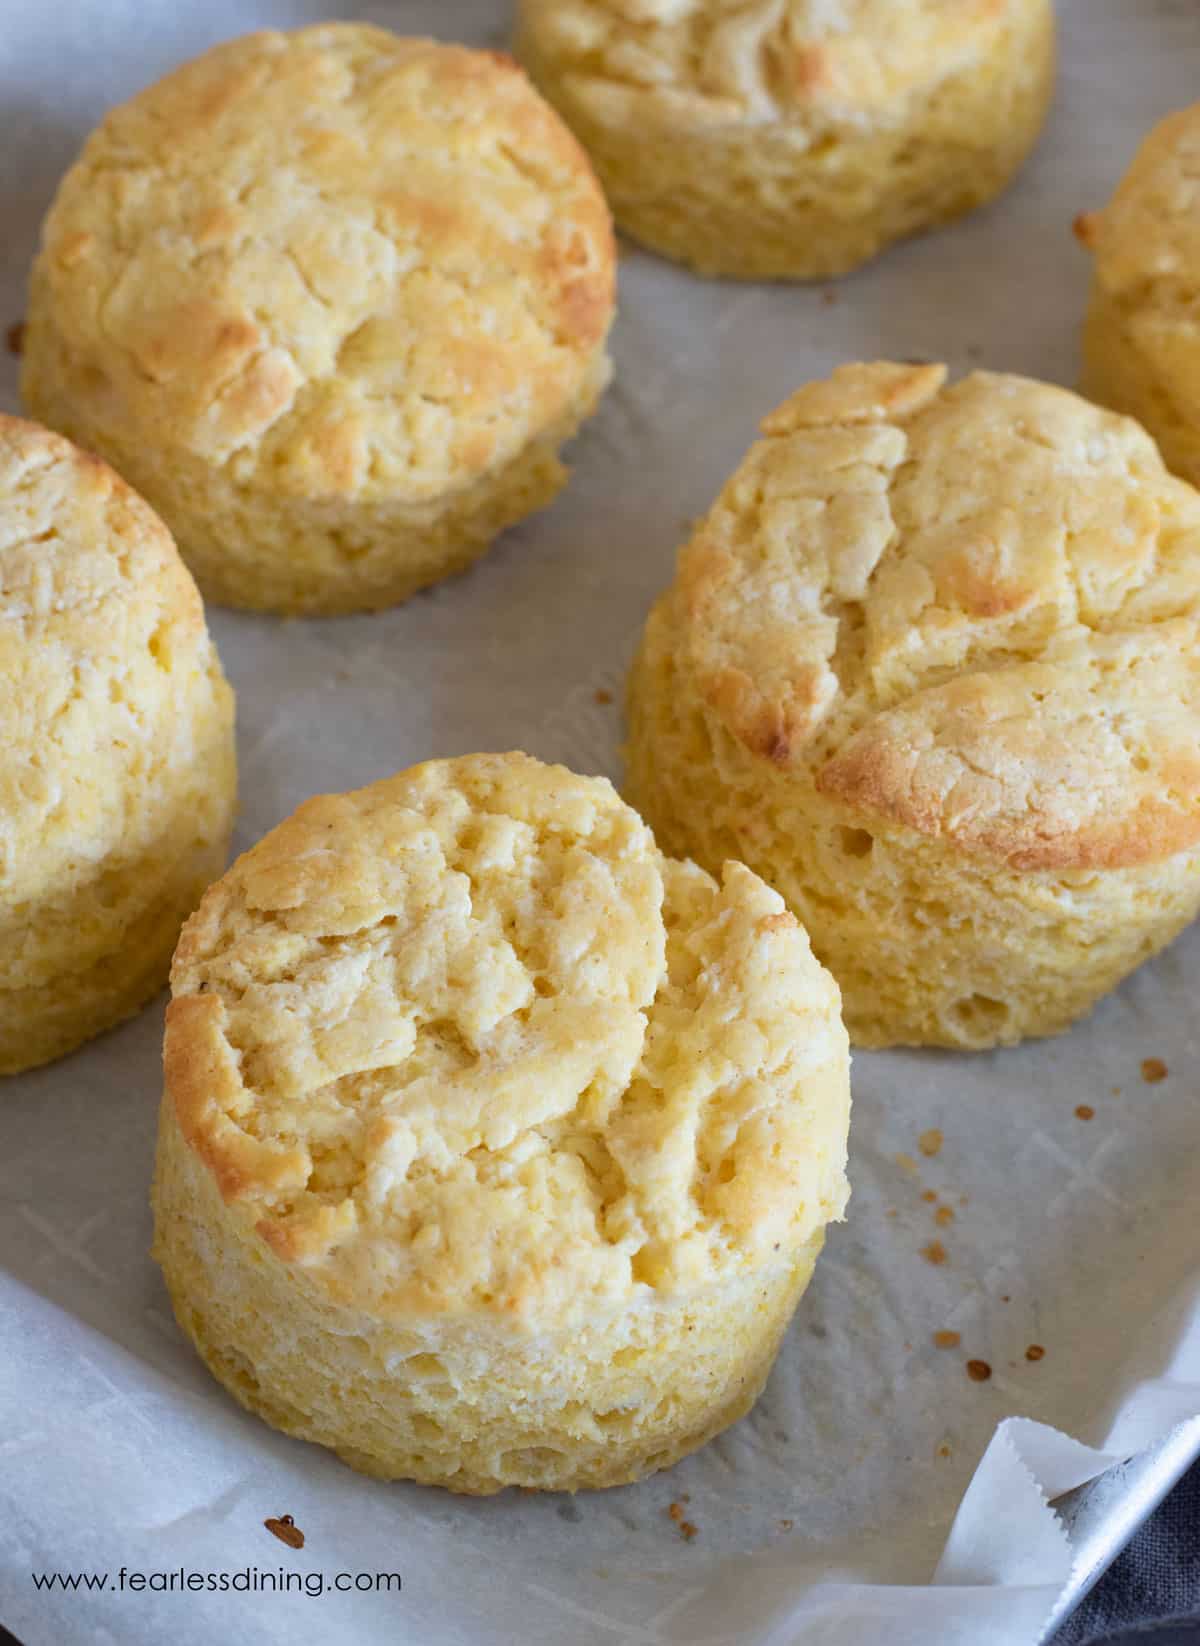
332,300
117,776
790,139
496,1148
930,667
1141,341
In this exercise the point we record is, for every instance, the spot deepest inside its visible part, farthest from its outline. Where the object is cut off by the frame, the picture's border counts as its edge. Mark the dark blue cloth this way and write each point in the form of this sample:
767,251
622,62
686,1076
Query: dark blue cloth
1150,1595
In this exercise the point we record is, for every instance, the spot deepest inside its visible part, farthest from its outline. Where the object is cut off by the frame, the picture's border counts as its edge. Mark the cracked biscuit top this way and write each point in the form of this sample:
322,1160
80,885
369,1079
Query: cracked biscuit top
708,63
343,263
970,610
466,1041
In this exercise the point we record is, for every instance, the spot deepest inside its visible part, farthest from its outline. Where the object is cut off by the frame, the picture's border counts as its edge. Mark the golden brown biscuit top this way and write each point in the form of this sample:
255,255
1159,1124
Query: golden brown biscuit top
102,638
711,62
972,610
466,1040
1147,239
340,262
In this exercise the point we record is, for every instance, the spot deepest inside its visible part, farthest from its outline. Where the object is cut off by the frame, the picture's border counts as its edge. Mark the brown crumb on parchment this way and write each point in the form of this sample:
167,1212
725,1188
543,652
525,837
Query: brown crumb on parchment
1154,1070
15,338
929,1195
1084,226
786,1525
687,1530
934,1253
978,1371
930,1142
1035,1352
285,1529
947,1340
602,696
907,1161
829,297
943,1450
1084,1111
943,1215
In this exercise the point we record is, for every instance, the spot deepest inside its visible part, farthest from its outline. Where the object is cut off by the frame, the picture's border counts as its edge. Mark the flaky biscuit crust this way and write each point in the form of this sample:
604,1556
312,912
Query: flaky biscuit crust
929,666
332,300
117,778
783,139
461,1061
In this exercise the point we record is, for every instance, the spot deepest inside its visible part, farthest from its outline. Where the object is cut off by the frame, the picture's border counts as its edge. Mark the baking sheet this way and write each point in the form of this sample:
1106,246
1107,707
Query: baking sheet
824,1515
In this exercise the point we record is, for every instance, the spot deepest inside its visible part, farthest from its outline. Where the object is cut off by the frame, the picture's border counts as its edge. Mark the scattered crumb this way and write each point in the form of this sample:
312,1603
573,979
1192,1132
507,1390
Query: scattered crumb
829,297
1154,1070
929,1194
978,1371
891,1212
907,1348
930,1142
935,1252
943,1215
285,1529
1084,1111
1035,1352
907,1161
1004,1297
602,696
785,1525
1084,227
15,338
686,1529
947,1340
943,1451
1116,1091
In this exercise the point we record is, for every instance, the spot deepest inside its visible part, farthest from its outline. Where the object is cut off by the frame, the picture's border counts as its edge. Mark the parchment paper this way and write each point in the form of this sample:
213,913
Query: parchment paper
822,1516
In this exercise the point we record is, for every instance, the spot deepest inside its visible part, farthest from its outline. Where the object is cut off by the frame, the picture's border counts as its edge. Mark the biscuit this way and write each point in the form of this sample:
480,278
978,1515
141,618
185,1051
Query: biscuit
117,776
791,139
930,667
496,1148
1141,346
332,301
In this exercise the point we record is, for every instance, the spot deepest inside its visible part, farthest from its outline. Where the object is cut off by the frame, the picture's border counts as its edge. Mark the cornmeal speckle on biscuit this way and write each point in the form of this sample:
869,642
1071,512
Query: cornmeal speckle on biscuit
332,300
496,1148
930,667
117,772
1140,343
771,139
